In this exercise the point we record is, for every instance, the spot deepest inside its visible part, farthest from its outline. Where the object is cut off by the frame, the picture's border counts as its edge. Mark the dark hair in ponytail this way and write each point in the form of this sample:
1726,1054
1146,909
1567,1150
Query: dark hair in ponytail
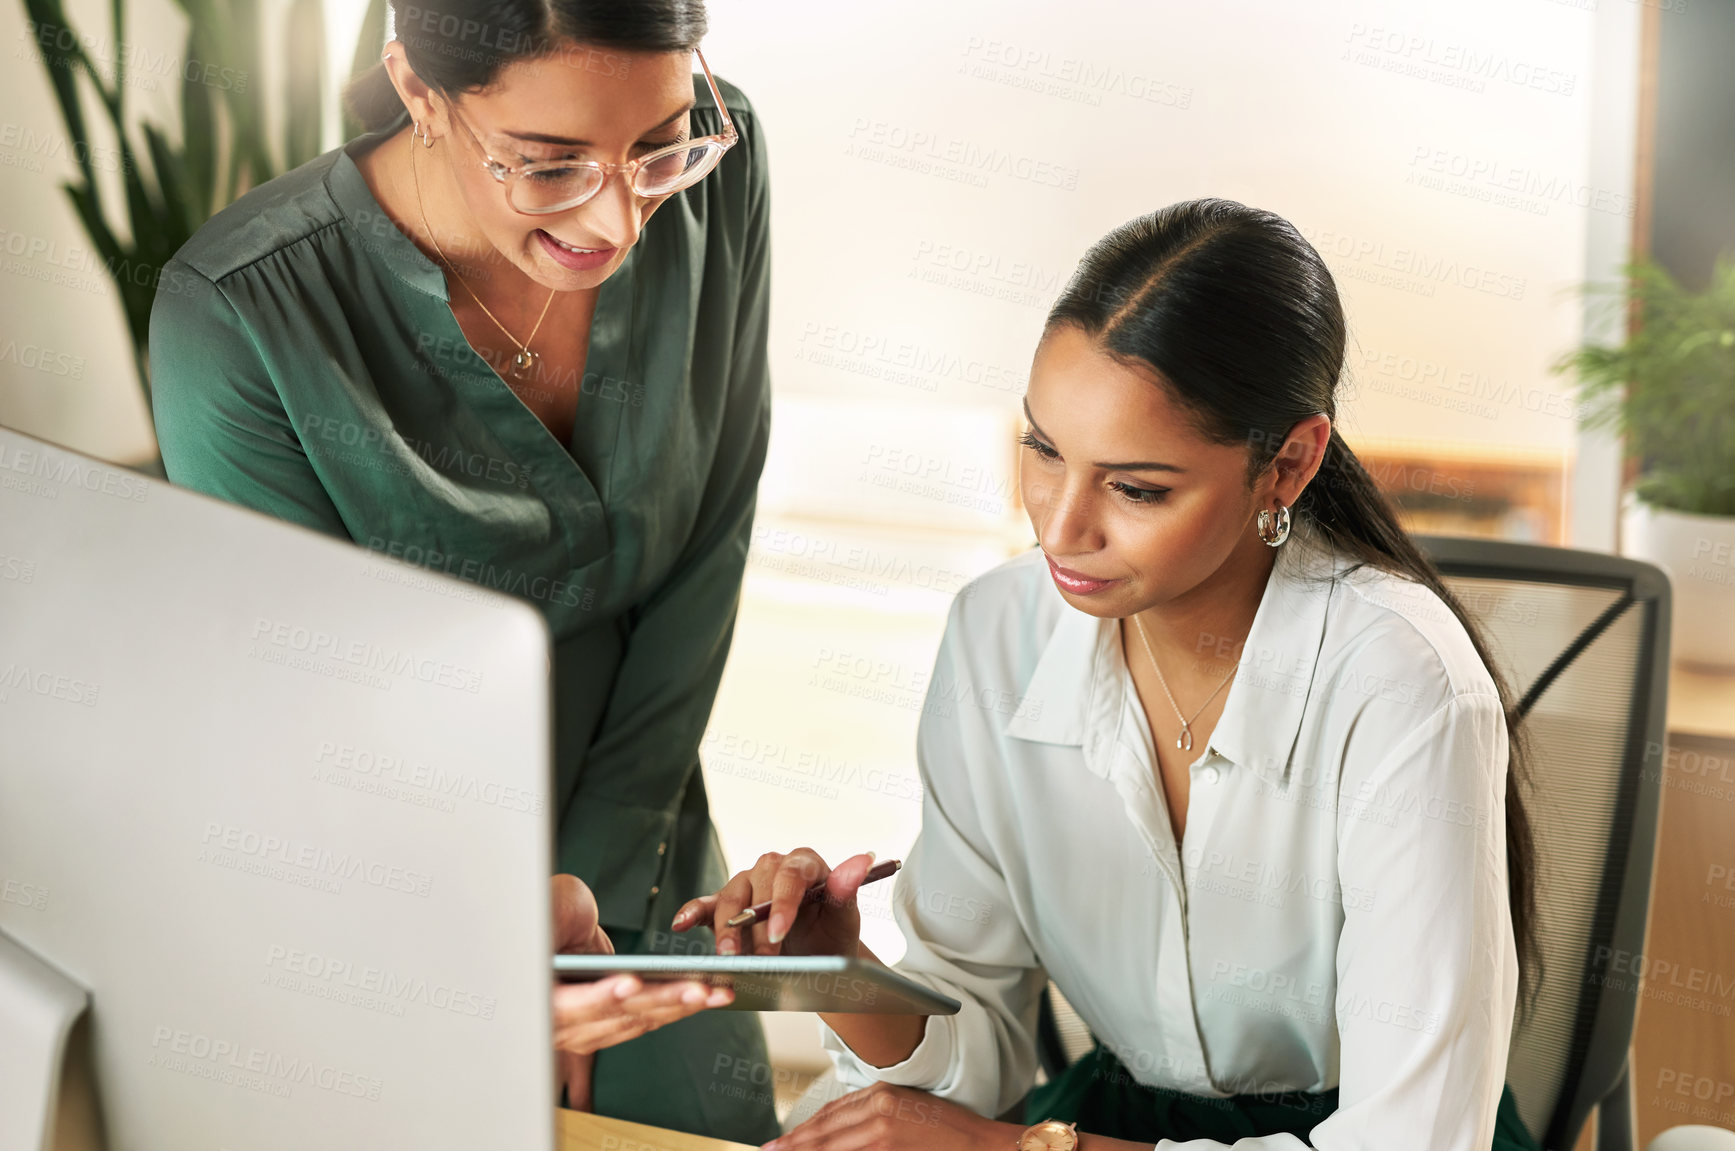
1239,316
461,45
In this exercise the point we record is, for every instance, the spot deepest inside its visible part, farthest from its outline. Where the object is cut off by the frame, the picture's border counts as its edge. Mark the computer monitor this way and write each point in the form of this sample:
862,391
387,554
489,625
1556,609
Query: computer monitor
281,805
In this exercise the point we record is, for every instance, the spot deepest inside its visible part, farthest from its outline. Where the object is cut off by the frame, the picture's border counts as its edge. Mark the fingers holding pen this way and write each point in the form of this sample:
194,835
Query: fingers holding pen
731,899
792,904
695,912
847,877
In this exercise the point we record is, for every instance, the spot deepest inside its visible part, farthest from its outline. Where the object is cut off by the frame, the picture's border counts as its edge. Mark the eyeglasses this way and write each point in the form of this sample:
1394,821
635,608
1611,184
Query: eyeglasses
546,186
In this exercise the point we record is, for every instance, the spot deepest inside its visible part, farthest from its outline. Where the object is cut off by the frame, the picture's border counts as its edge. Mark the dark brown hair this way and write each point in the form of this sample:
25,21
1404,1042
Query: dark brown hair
461,45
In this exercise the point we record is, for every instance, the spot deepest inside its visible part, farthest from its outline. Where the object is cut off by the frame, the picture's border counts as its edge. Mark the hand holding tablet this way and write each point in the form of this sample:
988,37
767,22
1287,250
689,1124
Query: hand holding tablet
591,1016
789,974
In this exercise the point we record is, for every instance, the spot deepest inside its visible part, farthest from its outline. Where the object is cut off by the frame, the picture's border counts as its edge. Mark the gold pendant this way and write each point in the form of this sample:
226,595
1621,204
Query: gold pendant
1184,741
522,363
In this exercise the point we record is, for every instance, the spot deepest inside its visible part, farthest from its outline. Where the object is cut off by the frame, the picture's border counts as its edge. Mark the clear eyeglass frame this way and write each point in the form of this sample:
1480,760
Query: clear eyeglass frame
511,177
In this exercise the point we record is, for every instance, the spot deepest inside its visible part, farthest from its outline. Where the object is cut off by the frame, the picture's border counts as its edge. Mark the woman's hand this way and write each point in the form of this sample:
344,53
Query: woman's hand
831,926
591,1016
887,1118
577,930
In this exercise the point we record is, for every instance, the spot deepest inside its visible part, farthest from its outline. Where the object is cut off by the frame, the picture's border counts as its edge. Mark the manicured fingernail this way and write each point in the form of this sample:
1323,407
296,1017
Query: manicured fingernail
685,914
778,927
726,947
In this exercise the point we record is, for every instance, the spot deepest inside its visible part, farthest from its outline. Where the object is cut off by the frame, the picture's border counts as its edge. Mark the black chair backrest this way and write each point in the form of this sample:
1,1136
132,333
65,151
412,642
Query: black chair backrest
1583,638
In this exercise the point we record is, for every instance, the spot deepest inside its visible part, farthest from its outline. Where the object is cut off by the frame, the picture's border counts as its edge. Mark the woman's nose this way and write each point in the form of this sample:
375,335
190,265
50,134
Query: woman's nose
613,215
1064,520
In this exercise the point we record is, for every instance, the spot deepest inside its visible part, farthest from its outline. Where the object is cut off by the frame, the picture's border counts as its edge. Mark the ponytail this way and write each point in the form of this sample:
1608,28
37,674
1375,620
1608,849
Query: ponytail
1349,510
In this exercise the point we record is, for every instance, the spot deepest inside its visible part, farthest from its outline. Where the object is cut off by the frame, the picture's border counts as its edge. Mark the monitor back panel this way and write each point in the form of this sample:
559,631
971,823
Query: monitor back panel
282,805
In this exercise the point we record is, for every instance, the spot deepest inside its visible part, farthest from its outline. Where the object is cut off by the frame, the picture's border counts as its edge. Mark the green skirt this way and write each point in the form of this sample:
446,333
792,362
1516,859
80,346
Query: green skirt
1102,1097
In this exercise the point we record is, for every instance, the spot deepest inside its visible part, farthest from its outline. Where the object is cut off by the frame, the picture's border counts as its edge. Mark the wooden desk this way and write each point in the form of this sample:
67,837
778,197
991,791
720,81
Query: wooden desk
1701,703
1682,1035
1685,1032
582,1131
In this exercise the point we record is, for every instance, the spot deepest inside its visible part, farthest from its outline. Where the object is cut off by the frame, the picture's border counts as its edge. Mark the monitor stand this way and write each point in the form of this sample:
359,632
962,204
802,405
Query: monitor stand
51,1104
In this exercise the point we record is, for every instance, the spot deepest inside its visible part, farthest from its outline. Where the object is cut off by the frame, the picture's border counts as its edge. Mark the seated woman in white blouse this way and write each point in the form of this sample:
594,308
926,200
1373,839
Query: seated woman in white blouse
1222,758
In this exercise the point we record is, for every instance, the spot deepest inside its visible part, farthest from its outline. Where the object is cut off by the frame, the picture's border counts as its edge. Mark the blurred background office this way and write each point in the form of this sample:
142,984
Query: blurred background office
1466,169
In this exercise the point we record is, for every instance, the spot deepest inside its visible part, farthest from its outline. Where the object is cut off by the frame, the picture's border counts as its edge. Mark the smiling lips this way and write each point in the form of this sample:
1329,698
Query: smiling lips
1074,582
573,258
575,248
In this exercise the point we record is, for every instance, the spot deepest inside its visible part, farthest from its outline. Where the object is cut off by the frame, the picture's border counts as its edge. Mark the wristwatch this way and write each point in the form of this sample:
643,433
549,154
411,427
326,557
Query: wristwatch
1049,1135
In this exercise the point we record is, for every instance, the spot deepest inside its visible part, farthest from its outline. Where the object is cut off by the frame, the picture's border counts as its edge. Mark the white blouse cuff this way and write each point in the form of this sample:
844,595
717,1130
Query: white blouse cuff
926,1067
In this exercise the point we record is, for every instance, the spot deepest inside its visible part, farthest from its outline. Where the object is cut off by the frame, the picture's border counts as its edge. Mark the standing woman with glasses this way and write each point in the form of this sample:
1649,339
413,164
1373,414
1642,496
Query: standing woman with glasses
462,340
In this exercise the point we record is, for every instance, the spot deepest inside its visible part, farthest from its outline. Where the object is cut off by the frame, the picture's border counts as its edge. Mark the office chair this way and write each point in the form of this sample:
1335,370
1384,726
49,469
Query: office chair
1583,638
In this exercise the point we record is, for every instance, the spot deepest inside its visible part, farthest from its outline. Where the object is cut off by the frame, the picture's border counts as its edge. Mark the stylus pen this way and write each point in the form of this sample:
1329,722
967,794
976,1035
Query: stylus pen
759,912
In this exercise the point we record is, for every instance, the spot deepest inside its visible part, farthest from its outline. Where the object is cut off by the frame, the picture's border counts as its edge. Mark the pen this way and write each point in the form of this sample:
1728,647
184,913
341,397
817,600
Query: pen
759,911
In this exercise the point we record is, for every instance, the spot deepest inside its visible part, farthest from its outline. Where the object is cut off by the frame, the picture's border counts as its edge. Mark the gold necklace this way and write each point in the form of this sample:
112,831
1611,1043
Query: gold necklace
1184,741
525,360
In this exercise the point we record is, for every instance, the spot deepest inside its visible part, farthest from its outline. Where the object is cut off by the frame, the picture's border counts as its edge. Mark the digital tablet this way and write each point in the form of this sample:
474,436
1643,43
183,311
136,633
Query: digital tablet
774,982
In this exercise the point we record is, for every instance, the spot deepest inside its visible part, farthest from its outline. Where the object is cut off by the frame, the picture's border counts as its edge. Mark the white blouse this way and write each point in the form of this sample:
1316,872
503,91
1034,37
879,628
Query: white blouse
1335,915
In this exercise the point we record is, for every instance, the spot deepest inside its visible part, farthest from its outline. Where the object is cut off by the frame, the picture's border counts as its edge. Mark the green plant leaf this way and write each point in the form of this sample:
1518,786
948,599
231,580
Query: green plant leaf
198,140
304,82
178,211
1669,387
250,159
368,43
135,305
224,148
117,15
46,17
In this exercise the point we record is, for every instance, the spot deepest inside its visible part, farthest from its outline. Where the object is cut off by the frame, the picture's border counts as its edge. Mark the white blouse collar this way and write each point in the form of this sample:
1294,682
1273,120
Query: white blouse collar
1075,696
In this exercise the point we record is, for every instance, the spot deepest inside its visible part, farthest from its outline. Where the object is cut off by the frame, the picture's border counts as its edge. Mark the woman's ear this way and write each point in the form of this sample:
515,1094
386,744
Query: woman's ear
1299,459
412,89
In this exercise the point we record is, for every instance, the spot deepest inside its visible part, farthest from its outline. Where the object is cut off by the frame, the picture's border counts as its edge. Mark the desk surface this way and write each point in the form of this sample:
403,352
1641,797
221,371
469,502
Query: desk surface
582,1131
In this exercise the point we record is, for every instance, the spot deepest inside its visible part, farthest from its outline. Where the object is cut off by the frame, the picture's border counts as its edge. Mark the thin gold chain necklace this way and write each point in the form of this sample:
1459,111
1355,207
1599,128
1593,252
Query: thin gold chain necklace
1184,741
525,361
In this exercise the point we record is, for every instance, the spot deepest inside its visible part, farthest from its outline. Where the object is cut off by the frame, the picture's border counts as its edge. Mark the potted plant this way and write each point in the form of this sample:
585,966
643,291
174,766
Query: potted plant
171,187
1669,389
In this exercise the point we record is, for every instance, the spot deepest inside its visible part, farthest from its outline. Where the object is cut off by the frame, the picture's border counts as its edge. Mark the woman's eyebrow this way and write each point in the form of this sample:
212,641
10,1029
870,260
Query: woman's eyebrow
541,138
1144,466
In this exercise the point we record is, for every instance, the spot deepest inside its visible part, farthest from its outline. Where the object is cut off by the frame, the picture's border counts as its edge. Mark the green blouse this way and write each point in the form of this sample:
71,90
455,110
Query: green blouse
305,362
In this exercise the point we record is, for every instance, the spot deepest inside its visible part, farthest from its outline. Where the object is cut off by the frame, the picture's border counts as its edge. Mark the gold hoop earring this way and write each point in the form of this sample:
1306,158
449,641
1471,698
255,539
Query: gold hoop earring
1273,530
426,137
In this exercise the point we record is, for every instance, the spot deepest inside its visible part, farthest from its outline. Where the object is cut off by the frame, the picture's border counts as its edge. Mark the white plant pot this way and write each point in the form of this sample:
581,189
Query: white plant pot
1698,552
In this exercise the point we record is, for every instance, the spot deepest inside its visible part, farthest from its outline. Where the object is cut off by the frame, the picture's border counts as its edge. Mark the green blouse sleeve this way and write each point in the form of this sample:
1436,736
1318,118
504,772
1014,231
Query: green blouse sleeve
221,425
645,752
